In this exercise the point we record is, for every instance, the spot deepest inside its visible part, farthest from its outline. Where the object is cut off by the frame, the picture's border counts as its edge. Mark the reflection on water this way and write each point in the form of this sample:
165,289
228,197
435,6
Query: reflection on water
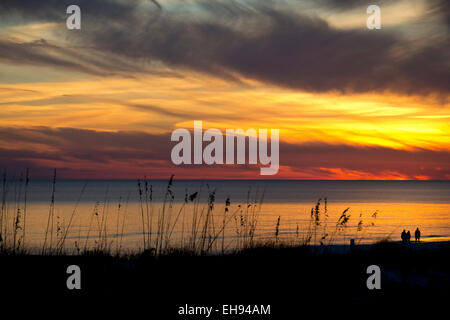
110,211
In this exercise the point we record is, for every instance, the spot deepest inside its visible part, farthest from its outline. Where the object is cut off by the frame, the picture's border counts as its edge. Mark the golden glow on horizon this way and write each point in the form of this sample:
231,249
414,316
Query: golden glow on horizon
158,104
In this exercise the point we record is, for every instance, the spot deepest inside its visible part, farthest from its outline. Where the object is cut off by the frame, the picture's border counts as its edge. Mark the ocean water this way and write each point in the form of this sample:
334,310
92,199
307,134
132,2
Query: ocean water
114,214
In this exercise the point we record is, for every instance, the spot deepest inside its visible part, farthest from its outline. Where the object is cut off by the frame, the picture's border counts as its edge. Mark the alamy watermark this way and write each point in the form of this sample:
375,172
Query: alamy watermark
213,152
74,20
74,280
374,20
374,280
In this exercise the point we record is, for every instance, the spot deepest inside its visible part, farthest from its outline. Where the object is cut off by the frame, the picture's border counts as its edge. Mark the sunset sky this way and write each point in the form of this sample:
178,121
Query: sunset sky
101,102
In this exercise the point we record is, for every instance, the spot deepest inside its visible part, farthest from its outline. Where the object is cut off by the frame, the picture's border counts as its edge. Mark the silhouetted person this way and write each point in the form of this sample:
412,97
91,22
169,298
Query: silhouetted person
417,235
408,236
403,236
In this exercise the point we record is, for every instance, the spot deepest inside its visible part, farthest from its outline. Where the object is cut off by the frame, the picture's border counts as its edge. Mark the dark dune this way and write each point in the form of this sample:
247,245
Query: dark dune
287,278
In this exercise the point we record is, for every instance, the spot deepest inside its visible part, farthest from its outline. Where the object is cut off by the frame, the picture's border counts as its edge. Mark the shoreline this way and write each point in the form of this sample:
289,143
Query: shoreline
175,251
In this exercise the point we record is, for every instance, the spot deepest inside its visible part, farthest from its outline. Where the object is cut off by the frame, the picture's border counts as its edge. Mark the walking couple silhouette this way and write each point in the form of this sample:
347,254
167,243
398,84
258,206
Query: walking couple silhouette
406,236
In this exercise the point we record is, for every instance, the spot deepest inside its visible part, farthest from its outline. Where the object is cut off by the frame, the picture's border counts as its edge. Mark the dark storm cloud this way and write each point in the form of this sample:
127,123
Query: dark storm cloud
87,144
43,148
440,8
350,4
275,46
38,53
55,10
289,50
82,153
86,60
156,3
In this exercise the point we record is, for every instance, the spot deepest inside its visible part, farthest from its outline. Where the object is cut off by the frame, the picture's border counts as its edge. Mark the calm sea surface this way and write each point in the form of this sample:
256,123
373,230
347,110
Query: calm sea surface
86,212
